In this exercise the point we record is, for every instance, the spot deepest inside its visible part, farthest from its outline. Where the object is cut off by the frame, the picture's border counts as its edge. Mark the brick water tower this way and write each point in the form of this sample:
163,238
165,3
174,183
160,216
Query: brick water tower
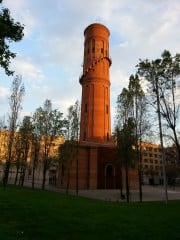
95,107
96,163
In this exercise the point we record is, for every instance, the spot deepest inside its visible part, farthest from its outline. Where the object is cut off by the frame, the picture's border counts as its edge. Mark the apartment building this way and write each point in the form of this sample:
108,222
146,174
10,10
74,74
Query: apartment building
151,163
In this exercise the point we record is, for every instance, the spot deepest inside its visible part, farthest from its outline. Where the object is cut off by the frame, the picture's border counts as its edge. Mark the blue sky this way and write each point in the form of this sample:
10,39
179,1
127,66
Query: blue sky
50,55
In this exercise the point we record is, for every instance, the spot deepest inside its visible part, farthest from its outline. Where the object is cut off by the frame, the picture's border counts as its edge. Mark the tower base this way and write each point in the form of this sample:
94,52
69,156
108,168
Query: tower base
95,166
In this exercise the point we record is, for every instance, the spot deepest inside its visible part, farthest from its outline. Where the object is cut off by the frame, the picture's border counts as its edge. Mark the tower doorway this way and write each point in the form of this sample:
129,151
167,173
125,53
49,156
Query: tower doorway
109,176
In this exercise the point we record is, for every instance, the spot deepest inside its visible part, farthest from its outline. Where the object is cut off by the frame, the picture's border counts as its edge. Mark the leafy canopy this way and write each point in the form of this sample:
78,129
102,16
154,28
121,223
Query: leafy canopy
10,31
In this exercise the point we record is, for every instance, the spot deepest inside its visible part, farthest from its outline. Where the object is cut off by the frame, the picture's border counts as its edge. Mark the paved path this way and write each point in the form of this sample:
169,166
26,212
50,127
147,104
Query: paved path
150,193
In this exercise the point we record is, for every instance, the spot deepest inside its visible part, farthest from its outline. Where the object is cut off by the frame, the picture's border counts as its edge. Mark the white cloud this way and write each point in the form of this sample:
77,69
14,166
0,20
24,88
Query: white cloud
28,70
4,92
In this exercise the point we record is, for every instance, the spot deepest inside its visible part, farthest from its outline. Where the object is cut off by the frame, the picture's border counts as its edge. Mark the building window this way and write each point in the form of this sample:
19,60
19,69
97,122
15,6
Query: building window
107,109
107,136
93,45
84,137
85,107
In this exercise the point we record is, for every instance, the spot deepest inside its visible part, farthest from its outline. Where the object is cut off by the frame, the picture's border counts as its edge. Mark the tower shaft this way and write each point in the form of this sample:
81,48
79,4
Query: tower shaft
95,107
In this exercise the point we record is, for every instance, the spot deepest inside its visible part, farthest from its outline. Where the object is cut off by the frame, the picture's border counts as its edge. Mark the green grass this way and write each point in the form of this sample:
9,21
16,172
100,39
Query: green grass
35,214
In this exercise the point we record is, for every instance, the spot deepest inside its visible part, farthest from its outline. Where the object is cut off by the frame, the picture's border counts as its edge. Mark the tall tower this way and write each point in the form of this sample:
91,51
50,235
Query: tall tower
95,107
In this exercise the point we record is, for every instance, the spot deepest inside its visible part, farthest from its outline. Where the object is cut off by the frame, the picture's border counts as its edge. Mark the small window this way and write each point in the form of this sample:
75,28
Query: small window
84,137
86,107
102,50
107,109
107,136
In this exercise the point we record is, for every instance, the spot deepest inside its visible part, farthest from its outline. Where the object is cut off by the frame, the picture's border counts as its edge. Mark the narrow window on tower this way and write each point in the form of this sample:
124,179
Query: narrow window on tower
93,45
84,137
102,50
107,109
86,107
107,136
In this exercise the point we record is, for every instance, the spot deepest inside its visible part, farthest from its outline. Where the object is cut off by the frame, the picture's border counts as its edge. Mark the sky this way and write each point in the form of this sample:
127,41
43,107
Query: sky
50,56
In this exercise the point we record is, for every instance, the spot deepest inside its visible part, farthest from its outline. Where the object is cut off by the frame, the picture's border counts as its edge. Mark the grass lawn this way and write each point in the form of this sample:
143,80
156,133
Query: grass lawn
36,214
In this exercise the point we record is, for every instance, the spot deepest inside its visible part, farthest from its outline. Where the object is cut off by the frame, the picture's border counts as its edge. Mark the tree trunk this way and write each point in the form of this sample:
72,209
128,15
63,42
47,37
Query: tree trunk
44,177
6,173
177,145
33,176
139,172
23,177
68,180
127,180
161,141
121,181
17,173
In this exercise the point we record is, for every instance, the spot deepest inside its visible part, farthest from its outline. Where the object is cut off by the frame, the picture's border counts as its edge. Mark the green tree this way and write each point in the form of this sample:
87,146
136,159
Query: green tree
163,76
67,152
17,159
164,85
74,124
25,132
125,132
36,139
139,115
49,124
15,101
10,31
